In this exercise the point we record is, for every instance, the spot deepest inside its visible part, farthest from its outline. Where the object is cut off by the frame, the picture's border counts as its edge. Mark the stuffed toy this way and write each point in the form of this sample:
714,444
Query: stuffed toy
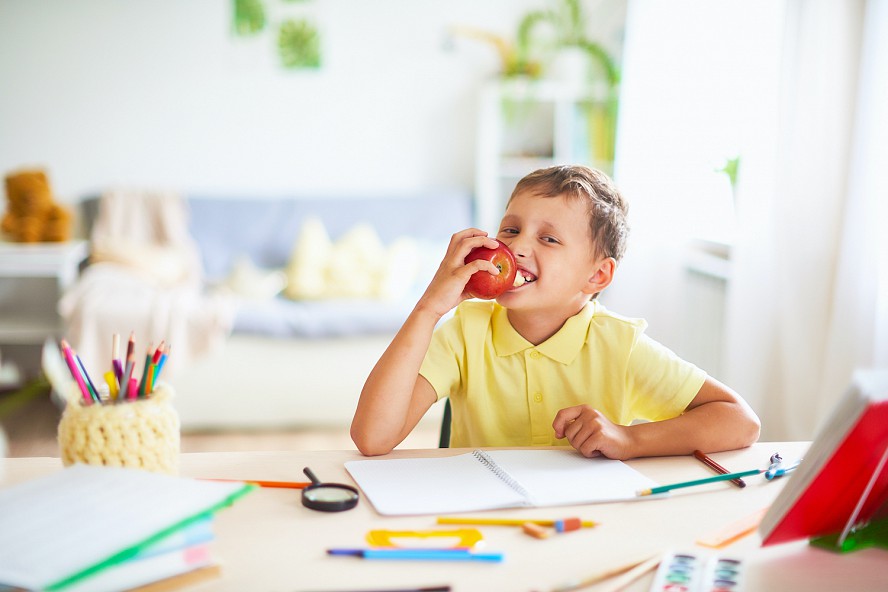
32,215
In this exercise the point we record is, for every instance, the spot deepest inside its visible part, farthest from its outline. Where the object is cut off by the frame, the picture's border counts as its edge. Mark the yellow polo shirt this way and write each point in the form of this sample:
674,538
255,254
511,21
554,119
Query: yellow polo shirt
505,391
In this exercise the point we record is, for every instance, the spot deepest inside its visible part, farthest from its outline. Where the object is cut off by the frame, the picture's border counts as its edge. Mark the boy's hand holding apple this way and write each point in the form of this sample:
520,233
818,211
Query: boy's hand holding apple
449,286
487,286
475,266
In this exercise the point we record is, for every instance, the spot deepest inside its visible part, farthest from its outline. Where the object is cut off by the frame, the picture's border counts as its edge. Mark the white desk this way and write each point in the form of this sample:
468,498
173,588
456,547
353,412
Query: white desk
268,541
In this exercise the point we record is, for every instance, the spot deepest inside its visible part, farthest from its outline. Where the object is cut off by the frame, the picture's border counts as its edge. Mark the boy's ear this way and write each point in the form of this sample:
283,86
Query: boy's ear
602,277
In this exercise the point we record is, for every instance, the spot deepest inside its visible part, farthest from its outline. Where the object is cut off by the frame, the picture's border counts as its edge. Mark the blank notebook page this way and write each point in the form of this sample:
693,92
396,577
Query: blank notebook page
431,485
515,478
566,478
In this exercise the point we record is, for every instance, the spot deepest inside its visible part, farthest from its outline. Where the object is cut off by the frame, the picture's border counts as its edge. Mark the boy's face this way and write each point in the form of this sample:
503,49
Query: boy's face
551,241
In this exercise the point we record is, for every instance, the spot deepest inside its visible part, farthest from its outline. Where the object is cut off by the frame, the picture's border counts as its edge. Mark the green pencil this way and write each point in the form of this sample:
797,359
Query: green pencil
716,478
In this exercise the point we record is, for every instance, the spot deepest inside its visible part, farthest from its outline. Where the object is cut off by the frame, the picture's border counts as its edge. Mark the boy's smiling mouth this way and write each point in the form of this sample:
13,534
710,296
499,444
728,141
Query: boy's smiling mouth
523,277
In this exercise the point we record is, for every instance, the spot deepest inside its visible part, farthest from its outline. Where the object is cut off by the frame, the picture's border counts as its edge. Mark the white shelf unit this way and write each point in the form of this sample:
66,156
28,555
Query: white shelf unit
32,279
525,125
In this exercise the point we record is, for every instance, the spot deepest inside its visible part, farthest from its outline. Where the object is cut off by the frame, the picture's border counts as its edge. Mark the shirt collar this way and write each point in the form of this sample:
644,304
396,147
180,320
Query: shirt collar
562,347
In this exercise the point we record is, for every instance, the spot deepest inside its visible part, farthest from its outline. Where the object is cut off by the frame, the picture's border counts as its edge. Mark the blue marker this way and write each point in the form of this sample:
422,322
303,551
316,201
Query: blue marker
778,471
419,554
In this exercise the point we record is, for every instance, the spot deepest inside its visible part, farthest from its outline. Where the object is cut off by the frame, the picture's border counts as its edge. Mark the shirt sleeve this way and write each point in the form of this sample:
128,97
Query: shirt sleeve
442,365
661,384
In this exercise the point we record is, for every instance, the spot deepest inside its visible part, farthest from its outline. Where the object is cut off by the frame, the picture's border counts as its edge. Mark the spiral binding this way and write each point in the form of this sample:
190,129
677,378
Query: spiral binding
502,475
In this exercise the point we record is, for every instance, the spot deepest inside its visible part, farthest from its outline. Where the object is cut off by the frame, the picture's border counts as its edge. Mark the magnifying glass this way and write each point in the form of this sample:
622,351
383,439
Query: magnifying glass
328,497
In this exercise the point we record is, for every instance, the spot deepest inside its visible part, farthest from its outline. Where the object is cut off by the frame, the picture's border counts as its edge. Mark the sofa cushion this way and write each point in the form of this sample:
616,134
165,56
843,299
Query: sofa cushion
259,234
266,229
283,318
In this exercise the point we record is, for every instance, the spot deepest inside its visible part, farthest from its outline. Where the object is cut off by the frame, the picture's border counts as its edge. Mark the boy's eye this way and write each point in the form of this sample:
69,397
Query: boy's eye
550,239
508,231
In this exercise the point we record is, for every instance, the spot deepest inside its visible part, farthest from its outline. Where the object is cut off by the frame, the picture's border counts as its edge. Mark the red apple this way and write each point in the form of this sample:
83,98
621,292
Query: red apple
485,285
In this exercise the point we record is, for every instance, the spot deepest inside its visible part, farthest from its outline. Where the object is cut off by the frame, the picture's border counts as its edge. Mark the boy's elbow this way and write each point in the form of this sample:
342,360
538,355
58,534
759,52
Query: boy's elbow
367,444
371,450
751,429
755,430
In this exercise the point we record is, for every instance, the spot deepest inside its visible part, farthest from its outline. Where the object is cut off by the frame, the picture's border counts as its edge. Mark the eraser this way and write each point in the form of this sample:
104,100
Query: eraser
568,524
535,530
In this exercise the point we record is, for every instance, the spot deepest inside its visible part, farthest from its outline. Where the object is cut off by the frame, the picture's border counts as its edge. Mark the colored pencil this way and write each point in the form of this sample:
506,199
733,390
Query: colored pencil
275,484
502,521
89,383
715,479
606,574
623,580
115,358
145,370
161,362
131,345
75,372
127,375
153,371
701,456
149,379
158,352
422,589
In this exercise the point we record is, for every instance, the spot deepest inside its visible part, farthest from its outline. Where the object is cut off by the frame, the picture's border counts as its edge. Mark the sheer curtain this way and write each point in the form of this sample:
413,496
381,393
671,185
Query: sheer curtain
693,71
698,83
799,90
808,300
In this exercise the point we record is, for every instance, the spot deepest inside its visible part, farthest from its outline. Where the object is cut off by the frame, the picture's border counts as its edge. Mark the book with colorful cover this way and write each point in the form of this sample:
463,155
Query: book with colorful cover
843,479
60,530
143,571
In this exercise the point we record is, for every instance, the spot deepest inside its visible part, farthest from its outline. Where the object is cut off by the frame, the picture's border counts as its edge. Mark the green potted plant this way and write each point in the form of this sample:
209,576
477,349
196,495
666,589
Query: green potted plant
577,62
566,25
514,62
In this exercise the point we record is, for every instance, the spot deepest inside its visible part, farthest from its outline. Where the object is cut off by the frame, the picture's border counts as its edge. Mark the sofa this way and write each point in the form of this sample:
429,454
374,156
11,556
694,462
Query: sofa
299,358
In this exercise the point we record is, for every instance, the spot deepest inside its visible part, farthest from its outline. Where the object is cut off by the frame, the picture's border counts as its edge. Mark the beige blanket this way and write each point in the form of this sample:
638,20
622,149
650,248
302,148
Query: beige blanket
144,277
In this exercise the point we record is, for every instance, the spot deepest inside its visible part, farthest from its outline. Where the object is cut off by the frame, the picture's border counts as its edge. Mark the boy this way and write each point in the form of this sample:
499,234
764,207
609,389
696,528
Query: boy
546,363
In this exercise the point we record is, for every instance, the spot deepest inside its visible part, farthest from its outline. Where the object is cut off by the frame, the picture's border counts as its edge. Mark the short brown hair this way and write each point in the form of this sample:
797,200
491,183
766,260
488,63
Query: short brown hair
606,207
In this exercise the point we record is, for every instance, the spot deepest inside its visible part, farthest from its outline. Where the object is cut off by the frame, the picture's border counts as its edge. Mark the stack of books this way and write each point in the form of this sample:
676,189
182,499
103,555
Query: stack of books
92,528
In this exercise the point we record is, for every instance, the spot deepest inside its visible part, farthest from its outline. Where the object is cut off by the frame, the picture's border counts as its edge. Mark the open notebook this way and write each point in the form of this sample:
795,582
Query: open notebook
486,480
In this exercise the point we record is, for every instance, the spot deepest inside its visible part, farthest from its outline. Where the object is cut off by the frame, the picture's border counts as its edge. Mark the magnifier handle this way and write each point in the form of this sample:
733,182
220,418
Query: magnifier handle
308,473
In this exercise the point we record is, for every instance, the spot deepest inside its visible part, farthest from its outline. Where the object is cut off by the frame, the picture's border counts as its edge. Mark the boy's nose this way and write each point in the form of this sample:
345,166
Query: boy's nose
517,246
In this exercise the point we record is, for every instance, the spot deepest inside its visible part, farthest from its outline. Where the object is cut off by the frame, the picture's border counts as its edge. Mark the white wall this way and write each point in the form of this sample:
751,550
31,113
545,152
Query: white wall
157,93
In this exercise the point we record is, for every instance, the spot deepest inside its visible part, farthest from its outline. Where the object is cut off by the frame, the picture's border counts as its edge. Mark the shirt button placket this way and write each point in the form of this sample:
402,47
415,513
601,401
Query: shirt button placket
539,423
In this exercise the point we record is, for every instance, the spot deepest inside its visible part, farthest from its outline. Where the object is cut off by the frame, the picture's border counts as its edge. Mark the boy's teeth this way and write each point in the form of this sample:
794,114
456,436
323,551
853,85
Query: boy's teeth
519,280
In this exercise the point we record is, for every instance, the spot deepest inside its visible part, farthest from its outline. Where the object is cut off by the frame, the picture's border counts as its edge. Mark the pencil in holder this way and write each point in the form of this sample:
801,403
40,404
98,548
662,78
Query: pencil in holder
143,433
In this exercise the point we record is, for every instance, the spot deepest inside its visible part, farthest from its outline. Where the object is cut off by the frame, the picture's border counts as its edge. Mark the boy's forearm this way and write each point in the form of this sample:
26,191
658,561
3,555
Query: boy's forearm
379,421
712,427
396,371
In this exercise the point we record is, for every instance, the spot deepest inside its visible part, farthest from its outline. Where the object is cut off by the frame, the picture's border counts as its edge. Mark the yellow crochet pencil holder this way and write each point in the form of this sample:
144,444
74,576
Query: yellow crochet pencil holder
140,434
